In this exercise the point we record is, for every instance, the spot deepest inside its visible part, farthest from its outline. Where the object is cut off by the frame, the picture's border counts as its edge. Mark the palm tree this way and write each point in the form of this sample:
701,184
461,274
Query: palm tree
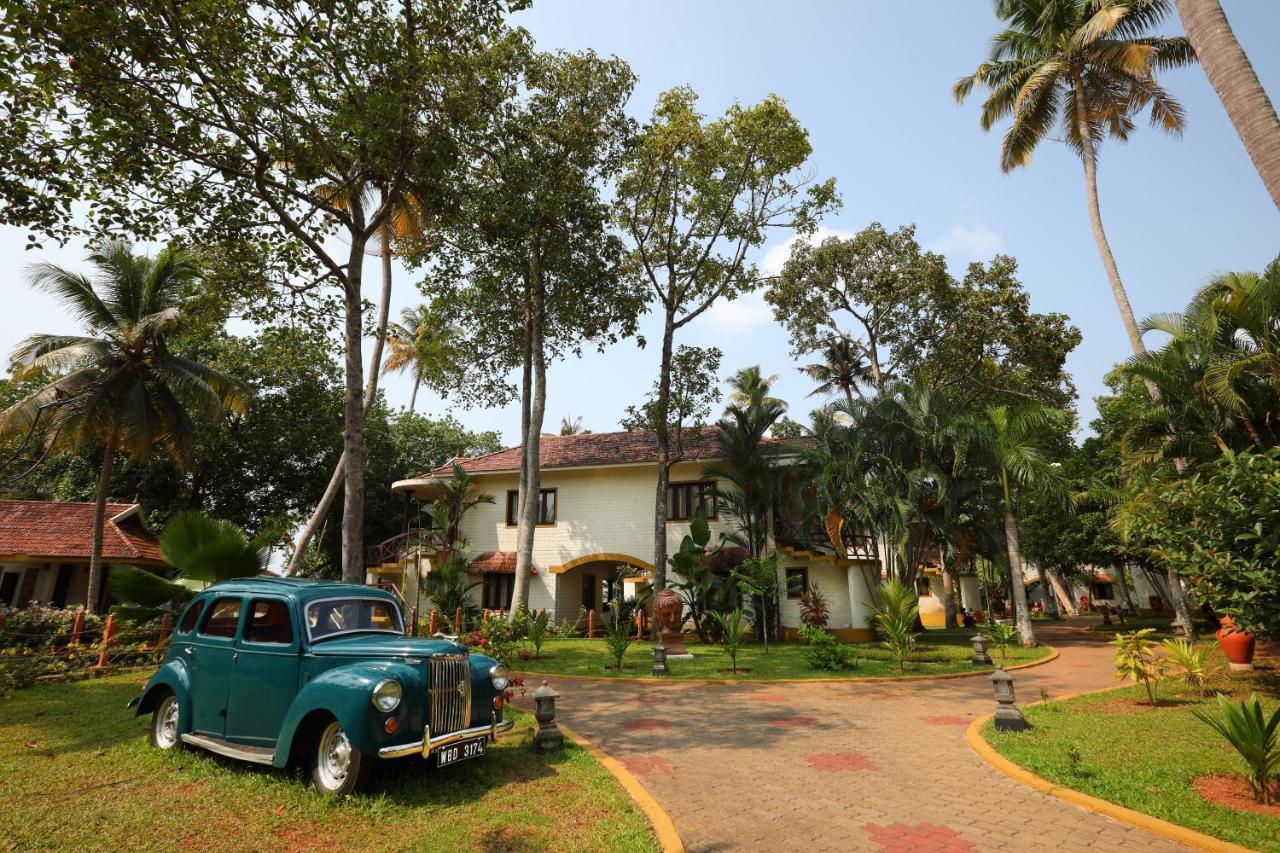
1233,78
202,549
1088,66
455,500
842,369
1005,440
119,388
413,346
572,426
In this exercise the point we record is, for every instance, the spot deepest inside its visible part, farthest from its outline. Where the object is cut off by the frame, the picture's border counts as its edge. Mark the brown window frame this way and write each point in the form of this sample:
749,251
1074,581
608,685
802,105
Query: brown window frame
786,581
513,505
692,484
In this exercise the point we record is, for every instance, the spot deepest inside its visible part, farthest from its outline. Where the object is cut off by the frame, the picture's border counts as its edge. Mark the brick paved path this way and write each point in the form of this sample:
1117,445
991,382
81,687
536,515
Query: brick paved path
853,766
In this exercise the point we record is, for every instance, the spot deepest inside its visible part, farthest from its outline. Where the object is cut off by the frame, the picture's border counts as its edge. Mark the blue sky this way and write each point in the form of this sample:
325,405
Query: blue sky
871,81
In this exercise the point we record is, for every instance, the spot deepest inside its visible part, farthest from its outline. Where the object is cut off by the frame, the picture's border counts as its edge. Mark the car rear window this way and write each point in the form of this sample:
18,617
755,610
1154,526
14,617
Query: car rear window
221,618
269,622
188,623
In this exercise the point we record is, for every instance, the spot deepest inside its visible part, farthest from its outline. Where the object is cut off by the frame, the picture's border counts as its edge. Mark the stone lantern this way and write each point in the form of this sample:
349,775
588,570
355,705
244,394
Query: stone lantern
660,659
1008,717
980,656
547,736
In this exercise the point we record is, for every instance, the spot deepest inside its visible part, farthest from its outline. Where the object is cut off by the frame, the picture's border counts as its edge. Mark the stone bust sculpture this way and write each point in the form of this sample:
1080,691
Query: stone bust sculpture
670,618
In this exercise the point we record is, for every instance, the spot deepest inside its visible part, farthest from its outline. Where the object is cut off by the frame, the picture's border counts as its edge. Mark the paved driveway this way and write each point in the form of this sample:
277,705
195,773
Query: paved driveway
847,766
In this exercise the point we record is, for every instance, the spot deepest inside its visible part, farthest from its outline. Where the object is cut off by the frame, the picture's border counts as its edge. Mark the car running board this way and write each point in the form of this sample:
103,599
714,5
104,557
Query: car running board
256,754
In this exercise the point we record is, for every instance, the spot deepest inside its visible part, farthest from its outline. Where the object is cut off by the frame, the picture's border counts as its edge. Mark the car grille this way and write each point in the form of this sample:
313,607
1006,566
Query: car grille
449,693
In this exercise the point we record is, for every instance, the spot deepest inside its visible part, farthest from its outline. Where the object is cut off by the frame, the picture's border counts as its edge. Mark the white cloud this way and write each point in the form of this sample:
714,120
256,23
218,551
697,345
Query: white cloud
739,315
969,241
776,256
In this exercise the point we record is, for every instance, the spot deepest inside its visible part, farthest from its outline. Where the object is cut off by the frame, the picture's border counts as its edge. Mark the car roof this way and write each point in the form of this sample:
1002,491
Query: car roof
301,588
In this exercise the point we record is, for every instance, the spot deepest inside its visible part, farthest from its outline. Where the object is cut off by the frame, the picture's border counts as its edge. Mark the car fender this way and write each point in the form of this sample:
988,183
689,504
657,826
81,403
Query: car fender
171,677
344,693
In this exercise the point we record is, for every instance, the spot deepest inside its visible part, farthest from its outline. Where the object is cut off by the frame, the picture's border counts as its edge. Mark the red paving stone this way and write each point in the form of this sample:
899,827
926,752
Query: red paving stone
642,724
651,698
946,721
900,838
835,761
745,777
647,765
768,697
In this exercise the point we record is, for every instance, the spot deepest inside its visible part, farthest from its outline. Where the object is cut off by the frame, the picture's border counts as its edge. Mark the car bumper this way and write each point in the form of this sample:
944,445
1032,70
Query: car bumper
430,744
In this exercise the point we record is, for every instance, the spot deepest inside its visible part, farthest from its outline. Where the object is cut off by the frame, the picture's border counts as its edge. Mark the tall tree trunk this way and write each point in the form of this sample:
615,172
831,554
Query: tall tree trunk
1122,575
1047,593
662,427
1126,315
530,502
370,392
1233,78
413,395
99,524
1017,589
353,431
1061,594
948,595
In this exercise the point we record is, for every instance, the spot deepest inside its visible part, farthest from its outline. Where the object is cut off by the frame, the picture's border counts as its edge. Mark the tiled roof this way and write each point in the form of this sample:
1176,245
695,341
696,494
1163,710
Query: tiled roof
495,563
64,530
589,449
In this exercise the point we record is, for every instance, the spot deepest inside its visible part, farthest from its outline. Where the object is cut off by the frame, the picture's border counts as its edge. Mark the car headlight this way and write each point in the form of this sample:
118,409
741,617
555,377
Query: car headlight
500,677
386,696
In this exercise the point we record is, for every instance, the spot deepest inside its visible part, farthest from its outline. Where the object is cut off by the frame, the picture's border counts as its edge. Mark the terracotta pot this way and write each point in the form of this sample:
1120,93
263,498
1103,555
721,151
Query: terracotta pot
1237,645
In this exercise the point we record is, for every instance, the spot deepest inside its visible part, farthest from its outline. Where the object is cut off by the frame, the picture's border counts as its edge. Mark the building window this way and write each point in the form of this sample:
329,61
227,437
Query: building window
497,591
546,507
797,582
1103,591
683,499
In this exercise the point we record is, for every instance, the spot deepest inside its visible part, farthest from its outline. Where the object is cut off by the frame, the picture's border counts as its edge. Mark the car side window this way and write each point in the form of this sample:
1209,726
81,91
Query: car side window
268,622
221,618
188,623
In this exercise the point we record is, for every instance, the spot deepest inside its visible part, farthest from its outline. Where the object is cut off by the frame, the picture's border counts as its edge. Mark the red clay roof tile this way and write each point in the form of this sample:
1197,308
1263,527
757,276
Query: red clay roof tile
64,530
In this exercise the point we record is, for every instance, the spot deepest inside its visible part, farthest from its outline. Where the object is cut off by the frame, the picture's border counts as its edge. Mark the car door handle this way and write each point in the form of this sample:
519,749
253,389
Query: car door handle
235,656
188,650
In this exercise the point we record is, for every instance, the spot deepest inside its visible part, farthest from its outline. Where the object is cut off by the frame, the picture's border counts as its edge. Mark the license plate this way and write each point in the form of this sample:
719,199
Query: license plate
461,751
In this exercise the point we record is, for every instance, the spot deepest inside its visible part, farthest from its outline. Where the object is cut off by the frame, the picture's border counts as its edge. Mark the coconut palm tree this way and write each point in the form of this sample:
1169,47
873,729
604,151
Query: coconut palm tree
1005,440
1088,67
572,426
1233,78
842,369
413,346
119,389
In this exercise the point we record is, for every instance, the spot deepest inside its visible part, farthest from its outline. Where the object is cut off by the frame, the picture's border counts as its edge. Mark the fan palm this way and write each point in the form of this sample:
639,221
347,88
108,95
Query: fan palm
1089,67
842,369
202,549
118,388
1005,440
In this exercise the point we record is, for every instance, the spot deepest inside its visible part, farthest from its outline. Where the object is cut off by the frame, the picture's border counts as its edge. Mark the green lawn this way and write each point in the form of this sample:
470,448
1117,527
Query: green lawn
1144,758
941,652
76,771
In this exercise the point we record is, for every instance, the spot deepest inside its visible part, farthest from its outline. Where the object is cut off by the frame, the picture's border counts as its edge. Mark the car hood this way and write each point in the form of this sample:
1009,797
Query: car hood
385,645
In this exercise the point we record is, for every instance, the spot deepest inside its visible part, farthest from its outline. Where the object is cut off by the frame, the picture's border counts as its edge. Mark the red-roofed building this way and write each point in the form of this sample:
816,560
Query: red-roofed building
45,548
595,539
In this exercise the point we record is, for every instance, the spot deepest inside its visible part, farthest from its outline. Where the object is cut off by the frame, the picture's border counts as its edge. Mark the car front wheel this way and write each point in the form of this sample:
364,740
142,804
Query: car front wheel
164,723
339,768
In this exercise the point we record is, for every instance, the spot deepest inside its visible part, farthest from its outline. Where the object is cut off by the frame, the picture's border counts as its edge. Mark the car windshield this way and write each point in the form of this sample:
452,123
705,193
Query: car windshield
334,616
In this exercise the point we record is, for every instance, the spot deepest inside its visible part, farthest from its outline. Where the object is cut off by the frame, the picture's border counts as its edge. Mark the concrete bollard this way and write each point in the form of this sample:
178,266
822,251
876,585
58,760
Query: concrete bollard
433,624
639,624
107,634
457,622
413,621
77,627
166,628
591,624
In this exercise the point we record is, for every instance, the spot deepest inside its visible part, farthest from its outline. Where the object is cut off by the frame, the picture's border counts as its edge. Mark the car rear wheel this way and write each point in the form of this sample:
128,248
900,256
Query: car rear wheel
164,723
339,767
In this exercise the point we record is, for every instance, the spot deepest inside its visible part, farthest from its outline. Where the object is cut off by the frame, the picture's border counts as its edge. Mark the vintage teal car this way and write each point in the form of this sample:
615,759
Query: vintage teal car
283,672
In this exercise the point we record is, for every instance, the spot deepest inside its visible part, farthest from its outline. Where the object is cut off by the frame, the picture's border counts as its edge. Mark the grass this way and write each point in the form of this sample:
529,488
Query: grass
1142,757
76,771
941,652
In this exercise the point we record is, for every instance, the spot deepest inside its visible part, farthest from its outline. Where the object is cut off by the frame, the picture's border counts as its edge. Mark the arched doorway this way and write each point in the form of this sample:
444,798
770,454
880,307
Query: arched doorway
593,580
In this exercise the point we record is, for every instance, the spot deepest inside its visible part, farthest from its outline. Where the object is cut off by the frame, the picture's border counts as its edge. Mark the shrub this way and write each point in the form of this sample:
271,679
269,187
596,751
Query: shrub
732,630
895,620
537,630
813,608
1253,736
1002,635
617,635
40,626
496,638
824,652
1135,659
1189,660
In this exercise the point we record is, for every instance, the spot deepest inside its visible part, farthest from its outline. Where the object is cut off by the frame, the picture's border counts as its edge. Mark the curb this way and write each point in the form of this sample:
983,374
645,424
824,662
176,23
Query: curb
663,827
1087,802
1053,655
